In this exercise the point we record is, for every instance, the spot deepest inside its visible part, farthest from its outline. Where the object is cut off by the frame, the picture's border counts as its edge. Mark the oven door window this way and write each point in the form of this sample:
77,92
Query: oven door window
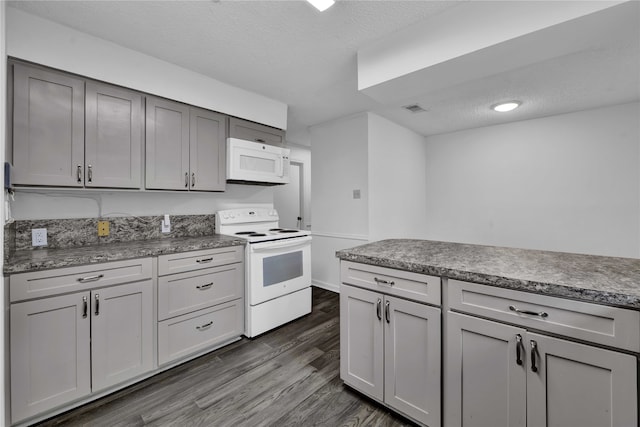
280,268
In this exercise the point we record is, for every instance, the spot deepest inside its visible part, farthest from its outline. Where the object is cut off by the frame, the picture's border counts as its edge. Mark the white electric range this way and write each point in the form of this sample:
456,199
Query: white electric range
277,267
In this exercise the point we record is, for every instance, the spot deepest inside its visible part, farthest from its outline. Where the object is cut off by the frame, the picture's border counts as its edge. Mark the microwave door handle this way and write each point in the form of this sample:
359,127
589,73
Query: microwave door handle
281,174
256,247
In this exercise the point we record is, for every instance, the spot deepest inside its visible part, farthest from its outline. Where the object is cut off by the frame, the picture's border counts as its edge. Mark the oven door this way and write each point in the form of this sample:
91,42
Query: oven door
278,268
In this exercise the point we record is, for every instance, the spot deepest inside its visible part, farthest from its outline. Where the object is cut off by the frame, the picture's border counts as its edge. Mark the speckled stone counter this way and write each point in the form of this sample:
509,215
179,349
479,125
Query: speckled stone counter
45,259
598,279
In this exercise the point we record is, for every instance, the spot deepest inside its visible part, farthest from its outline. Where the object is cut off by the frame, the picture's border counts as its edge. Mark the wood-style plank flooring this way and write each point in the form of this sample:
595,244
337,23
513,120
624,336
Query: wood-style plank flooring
287,377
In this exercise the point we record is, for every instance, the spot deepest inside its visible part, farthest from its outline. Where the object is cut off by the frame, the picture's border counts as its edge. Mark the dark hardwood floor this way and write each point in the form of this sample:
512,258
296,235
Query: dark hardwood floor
287,377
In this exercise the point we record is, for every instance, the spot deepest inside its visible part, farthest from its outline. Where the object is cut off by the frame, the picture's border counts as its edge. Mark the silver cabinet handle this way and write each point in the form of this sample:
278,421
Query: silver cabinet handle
529,312
387,315
379,309
89,174
186,180
205,326
193,179
534,350
85,307
79,174
204,260
518,349
97,305
384,282
90,278
203,287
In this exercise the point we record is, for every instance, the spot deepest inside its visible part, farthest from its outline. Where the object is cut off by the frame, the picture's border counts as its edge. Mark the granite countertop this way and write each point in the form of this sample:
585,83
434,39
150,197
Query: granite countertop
599,279
45,259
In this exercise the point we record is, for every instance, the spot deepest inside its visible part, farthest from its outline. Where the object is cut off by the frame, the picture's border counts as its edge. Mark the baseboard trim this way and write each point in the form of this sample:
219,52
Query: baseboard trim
327,286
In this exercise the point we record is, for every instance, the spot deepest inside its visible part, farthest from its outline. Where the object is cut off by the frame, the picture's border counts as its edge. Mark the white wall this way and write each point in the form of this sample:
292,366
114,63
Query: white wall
397,180
569,182
48,204
338,166
45,42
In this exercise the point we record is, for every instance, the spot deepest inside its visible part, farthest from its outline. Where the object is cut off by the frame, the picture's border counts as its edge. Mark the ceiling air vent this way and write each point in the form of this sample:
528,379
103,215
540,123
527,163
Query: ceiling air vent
414,108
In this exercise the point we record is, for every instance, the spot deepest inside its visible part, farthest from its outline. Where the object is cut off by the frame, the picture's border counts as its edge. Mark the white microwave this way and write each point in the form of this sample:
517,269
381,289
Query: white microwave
249,161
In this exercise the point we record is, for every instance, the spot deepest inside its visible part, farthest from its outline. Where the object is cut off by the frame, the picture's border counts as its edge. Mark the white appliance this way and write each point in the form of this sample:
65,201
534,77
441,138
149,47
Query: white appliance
277,267
249,161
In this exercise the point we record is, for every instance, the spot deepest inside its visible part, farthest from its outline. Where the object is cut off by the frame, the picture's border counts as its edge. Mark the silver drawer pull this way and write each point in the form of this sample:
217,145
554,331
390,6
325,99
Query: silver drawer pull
205,326
204,260
384,282
203,287
90,278
532,313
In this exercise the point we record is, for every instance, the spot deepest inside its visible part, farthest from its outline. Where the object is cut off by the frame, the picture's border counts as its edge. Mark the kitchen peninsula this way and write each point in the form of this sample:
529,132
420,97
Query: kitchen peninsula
520,337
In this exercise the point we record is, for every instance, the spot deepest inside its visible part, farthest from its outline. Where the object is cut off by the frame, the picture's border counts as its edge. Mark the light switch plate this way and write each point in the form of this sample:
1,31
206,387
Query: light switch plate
356,194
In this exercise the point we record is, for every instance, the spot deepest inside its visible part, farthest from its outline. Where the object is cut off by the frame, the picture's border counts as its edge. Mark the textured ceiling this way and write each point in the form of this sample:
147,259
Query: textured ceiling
288,51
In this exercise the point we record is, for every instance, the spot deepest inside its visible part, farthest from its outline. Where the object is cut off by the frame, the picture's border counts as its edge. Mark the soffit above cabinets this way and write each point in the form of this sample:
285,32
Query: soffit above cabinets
574,64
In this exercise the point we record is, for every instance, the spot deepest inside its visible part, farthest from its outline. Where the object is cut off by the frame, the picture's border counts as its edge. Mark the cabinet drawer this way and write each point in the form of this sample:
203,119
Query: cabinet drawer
186,292
187,334
601,324
197,260
72,279
418,287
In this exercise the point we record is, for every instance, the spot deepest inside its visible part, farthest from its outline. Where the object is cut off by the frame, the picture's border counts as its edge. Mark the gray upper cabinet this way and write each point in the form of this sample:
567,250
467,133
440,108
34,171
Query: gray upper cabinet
48,128
243,129
185,147
207,150
167,145
114,129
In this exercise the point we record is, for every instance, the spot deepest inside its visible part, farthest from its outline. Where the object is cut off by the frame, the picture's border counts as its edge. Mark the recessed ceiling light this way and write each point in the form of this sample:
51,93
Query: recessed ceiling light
503,107
322,5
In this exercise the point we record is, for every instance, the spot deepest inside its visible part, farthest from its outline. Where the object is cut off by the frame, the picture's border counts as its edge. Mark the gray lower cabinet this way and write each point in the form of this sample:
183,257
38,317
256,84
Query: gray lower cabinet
113,143
185,147
48,127
390,351
66,347
502,375
50,354
200,301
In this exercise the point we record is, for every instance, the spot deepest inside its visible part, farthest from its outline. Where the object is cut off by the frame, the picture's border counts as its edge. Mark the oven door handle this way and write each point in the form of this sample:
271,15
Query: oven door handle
288,243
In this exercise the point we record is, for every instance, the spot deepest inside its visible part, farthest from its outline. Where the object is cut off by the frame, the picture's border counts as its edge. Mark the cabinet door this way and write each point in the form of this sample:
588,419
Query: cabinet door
361,340
167,145
208,149
580,385
48,128
412,359
121,333
485,385
50,363
250,131
113,137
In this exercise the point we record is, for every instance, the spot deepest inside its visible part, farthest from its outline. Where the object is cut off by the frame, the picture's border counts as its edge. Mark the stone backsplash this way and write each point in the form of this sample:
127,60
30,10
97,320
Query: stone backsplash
70,233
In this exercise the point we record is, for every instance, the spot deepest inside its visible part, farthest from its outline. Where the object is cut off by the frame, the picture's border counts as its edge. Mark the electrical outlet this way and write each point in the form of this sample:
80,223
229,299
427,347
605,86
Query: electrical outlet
39,236
103,228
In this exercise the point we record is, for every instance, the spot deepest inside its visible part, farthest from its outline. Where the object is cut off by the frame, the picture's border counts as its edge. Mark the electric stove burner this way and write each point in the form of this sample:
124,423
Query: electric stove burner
276,229
288,231
257,235
245,232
